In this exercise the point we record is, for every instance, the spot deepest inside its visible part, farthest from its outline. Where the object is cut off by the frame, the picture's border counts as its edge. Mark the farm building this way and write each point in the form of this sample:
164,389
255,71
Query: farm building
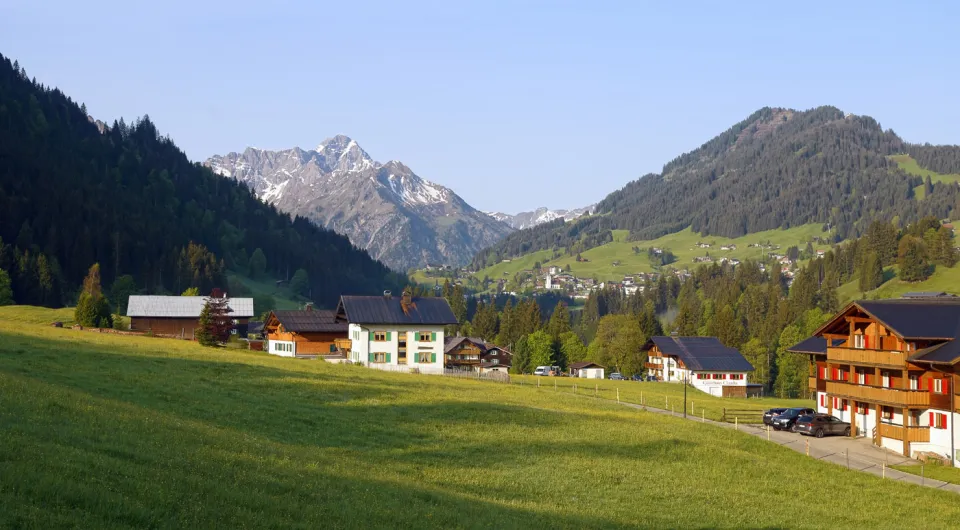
704,362
307,333
179,316
397,332
587,370
469,353
496,359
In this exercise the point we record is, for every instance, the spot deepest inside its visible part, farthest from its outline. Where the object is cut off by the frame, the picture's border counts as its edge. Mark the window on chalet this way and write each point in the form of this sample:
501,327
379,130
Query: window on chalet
736,377
885,380
381,357
914,382
938,420
858,341
380,336
887,413
861,378
861,408
424,336
938,386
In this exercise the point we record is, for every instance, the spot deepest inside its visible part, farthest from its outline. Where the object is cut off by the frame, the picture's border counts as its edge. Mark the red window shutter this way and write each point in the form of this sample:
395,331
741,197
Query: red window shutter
866,342
822,404
932,420
930,384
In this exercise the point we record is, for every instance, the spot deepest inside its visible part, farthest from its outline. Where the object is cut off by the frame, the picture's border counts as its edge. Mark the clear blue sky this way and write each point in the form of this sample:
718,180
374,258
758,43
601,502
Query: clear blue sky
512,104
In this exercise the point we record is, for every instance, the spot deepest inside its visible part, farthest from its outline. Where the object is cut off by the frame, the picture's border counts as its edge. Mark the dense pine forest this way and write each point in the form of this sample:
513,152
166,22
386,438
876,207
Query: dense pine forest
776,169
73,194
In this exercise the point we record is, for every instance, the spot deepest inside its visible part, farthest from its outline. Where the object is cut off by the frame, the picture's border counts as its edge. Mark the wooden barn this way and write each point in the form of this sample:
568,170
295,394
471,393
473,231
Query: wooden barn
179,316
307,333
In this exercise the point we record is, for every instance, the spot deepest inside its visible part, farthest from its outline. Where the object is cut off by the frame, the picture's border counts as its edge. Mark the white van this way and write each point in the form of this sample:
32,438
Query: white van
542,370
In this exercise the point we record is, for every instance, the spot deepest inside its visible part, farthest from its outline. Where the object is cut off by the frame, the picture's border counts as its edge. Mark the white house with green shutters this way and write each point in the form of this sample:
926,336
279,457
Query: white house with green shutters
397,333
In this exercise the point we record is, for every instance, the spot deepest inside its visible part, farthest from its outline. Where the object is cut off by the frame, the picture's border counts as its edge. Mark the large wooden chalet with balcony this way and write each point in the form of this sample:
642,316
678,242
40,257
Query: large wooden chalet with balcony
310,333
889,367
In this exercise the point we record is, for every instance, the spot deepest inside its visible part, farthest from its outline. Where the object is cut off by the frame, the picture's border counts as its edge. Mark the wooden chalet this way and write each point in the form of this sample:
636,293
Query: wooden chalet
179,316
307,333
889,367
703,362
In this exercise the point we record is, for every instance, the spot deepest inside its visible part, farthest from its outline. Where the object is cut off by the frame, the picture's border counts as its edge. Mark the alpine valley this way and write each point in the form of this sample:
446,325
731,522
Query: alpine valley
401,219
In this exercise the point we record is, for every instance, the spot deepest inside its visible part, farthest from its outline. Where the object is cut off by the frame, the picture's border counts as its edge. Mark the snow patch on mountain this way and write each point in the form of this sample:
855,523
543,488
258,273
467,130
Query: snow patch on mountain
539,216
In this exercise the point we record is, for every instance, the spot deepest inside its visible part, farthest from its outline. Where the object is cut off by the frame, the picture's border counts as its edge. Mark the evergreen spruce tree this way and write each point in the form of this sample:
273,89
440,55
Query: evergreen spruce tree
92,307
520,364
6,289
912,259
559,321
871,272
947,251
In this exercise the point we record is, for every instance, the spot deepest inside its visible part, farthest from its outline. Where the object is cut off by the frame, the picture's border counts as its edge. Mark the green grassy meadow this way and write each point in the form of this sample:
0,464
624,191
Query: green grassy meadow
667,396
936,472
133,432
682,244
908,164
282,296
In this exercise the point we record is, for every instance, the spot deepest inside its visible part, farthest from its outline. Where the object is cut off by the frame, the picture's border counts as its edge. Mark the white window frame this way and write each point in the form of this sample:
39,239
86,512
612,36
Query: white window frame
885,380
914,382
938,386
858,341
861,378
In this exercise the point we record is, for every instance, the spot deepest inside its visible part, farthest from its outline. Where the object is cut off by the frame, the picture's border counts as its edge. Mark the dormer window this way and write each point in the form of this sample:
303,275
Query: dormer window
858,341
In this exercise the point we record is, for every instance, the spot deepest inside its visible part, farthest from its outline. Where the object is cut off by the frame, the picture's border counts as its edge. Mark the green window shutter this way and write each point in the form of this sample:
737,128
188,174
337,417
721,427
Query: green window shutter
416,357
370,357
433,337
388,336
388,357
433,357
333,348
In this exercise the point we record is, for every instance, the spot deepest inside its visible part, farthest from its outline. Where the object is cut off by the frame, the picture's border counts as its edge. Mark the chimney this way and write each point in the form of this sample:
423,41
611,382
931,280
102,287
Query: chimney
309,306
406,301
386,294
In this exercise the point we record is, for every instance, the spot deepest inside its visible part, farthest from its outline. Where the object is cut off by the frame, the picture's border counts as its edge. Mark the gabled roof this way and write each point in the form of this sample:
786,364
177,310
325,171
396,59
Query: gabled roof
387,310
916,318
584,364
311,321
815,345
451,343
943,353
701,353
182,306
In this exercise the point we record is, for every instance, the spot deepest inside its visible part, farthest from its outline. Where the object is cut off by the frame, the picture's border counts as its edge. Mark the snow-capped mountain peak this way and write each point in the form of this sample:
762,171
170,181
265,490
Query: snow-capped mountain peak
399,217
539,216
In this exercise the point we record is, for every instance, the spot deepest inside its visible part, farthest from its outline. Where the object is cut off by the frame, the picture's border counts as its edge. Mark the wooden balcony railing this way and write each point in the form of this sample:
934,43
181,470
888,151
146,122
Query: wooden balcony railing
871,357
897,432
892,396
653,366
816,385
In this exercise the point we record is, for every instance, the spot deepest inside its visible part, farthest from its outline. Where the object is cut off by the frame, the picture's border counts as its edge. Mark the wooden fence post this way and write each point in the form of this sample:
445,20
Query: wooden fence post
736,423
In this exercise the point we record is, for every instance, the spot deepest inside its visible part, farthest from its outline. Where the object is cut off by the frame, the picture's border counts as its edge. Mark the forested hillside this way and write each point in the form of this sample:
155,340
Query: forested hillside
128,198
777,169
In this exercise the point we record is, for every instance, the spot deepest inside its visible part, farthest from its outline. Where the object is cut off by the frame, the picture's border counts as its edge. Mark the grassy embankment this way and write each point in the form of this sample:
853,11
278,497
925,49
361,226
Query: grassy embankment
118,431
936,472
682,244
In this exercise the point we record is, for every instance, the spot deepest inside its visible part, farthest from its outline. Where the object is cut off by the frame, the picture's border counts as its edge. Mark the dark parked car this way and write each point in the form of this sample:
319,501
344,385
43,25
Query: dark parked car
769,415
617,376
636,377
820,425
786,419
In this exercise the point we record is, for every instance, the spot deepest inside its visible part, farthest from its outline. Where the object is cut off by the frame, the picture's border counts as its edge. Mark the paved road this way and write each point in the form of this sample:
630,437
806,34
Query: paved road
859,454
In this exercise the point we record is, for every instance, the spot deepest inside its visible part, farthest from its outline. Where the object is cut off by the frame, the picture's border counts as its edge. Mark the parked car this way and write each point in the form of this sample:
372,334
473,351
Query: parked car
542,370
636,377
769,415
786,419
652,378
820,425
617,376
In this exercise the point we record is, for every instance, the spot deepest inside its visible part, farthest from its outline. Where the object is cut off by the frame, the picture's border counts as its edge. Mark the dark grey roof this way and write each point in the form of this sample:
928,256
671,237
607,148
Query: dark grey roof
702,353
943,353
452,342
584,364
387,310
926,294
816,345
921,318
311,321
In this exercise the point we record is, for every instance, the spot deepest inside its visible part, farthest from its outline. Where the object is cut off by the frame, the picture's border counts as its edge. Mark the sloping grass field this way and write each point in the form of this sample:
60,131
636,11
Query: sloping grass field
601,259
908,164
116,431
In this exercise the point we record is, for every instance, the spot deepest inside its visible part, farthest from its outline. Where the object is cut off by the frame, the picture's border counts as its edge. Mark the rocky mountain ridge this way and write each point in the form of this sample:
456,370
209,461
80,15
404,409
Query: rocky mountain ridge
401,219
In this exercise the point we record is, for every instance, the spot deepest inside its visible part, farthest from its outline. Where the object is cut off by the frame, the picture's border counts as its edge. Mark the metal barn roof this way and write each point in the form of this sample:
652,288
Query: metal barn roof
182,306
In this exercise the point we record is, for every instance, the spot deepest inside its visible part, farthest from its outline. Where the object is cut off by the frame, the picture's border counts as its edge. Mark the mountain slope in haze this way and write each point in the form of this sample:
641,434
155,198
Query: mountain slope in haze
74,192
779,168
401,219
539,216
